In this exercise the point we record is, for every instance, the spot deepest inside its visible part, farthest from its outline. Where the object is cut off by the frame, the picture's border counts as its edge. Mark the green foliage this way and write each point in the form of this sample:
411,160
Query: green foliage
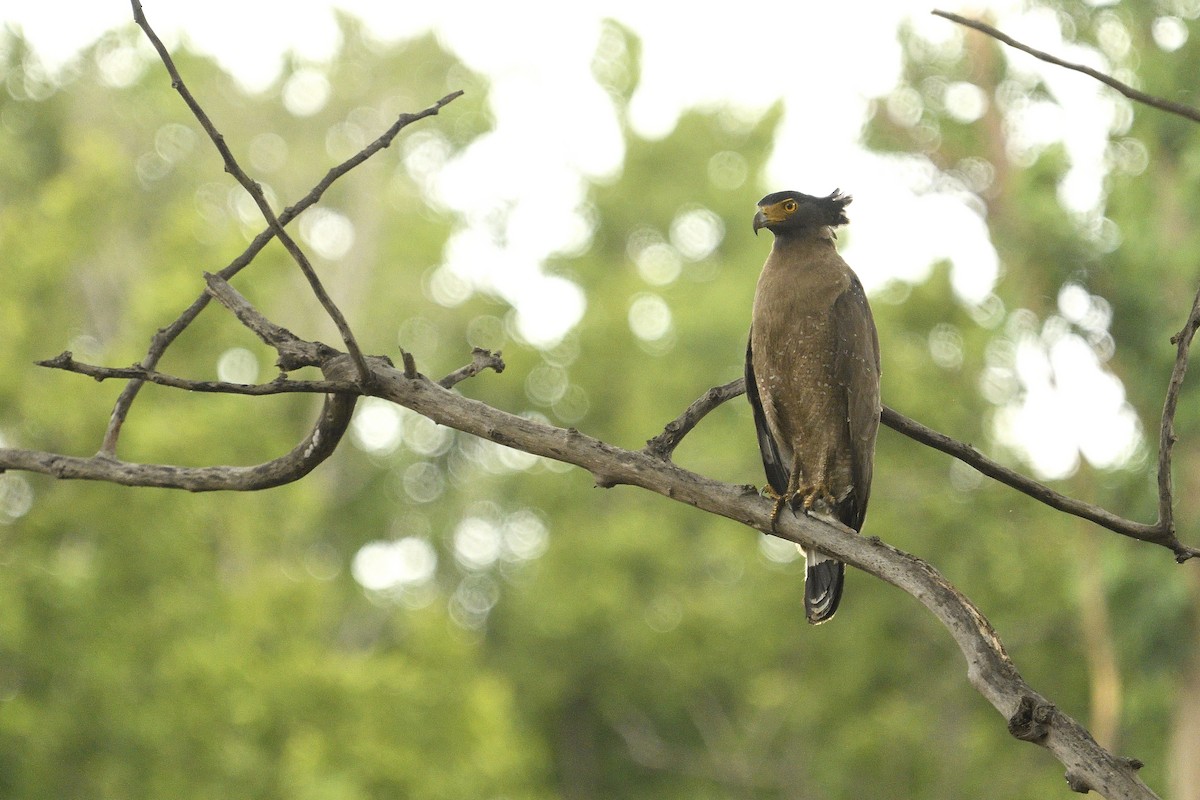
613,644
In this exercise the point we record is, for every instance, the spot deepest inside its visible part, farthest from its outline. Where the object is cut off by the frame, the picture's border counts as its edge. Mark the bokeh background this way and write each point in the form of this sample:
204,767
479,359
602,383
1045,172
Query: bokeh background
432,616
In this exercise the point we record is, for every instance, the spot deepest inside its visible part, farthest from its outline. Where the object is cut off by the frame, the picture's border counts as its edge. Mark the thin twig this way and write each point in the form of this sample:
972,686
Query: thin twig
294,352
254,189
1163,531
1166,434
1154,534
662,445
282,385
381,143
320,443
1128,91
164,337
665,443
480,360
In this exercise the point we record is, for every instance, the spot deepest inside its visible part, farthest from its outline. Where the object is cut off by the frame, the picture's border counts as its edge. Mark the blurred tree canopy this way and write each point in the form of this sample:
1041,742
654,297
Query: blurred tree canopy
432,616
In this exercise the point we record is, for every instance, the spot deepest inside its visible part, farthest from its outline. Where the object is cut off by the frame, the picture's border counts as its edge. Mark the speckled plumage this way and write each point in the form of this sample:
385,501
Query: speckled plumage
812,376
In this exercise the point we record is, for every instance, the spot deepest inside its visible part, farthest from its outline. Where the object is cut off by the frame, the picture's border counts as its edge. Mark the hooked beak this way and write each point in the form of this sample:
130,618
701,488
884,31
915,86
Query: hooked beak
760,221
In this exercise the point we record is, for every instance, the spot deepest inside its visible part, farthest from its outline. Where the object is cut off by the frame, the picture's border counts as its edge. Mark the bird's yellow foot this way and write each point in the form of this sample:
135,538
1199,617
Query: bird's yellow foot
770,493
797,498
807,499
820,500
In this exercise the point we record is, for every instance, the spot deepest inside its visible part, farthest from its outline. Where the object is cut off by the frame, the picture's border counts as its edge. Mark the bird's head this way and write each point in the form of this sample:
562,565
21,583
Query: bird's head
787,212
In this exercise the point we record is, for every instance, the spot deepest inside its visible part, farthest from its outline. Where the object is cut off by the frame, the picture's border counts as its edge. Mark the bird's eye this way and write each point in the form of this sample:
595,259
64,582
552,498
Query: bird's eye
789,206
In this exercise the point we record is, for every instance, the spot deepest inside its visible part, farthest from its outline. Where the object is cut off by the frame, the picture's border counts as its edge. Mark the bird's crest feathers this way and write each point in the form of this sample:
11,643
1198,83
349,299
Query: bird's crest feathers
793,210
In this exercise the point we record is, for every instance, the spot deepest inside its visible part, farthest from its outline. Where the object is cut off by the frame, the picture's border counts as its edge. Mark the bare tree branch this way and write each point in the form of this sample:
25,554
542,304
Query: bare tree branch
164,337
341,391
318,445
294,353
1163,530
281,385
1166,431
664,444
1154,534
480,360
254,189
1031,717
1169,106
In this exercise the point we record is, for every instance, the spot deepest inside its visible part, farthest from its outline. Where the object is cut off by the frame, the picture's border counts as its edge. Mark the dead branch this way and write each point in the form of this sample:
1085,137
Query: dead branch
1166,432
254,189
1030,716
1128,91
665,443
480,360
302,459
164,337
1163,530
1153,533
990,670
282,385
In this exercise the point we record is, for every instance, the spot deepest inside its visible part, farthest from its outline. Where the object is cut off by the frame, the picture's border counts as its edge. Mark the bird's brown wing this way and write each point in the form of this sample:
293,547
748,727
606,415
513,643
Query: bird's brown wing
776,469
858,371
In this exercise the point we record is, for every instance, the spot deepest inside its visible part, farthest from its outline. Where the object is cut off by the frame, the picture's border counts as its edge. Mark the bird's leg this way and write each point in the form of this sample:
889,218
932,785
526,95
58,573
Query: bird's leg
780,499
807,499
793,492
801,496
769,492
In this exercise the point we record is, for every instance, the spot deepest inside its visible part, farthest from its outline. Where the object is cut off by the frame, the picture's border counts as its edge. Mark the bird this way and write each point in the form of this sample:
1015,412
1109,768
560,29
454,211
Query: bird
812,378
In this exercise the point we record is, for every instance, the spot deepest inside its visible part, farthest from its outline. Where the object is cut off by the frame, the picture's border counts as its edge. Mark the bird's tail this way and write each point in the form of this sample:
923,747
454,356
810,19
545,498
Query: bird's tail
822,586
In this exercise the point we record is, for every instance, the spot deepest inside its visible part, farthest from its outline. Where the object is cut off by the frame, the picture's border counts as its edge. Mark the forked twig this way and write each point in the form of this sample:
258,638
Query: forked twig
282,385
1161,534
164,337
665,443
1166,433
480,360
254,189
1163,530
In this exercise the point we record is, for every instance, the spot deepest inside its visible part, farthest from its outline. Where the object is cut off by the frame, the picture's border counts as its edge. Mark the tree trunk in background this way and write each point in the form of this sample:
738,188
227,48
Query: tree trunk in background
1104,676
1185,733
